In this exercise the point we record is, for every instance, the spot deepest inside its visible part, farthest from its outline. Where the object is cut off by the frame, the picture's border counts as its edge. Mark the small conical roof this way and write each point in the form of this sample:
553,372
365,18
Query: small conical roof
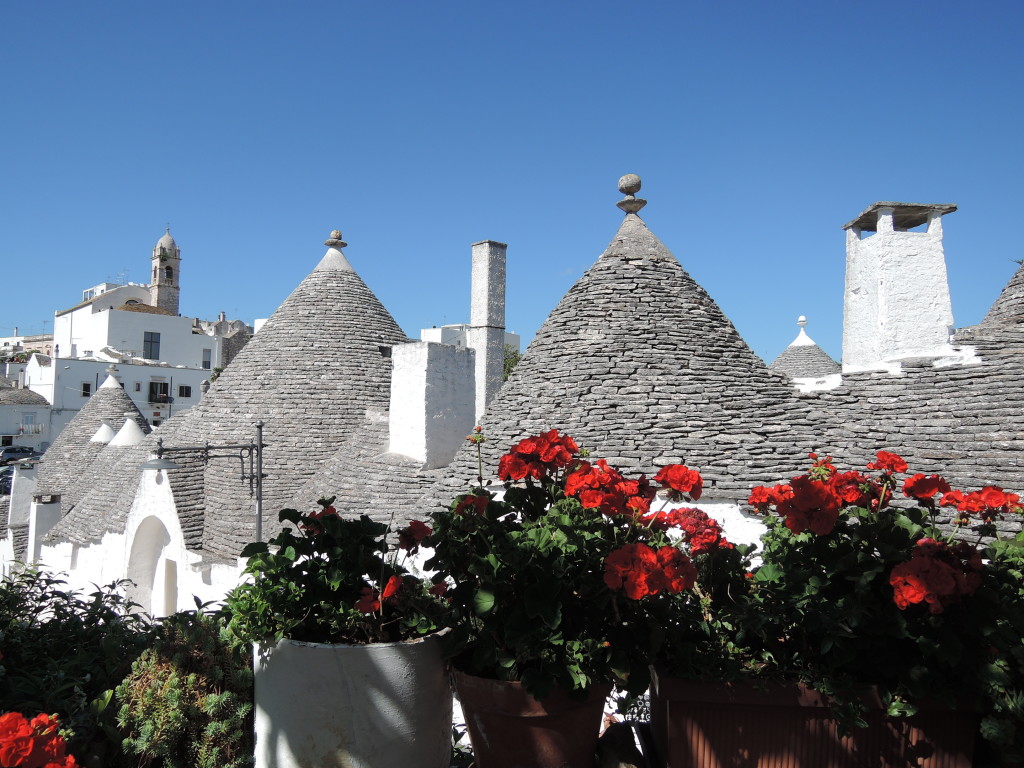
104,434
1009,307
805,359
128,434
63,466
639,364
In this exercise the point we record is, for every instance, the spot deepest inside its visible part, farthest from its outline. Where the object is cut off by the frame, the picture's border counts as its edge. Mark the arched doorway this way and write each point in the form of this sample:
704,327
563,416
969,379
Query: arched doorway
154,574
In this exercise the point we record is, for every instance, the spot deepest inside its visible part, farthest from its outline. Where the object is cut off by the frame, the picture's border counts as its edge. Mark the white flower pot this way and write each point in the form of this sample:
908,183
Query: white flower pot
352,706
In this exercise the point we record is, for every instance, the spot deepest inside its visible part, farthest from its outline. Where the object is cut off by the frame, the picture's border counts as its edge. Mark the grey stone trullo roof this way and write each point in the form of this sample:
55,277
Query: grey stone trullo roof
805,362
66,466
1009,307
639,364
15,396
311,374
805,359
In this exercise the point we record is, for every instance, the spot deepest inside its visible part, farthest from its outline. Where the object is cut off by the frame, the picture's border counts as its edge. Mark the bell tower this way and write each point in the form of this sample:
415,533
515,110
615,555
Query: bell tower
166,266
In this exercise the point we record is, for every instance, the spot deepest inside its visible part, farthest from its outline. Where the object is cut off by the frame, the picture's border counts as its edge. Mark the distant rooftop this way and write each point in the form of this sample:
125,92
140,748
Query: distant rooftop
905,215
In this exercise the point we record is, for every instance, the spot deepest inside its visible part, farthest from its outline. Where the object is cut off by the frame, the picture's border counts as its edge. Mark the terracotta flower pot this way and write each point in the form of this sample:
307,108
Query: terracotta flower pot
358,706
510,729
729,725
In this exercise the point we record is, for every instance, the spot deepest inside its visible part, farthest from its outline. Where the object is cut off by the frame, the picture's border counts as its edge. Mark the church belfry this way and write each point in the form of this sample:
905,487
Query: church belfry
164,290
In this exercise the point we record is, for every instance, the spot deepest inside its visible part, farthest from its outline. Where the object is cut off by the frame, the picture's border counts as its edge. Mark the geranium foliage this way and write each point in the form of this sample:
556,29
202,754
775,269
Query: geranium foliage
564,580
334,580
859,588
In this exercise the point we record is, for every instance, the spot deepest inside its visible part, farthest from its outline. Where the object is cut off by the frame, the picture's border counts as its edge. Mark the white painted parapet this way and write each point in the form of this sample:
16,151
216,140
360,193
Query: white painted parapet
432,401
486,333
897,303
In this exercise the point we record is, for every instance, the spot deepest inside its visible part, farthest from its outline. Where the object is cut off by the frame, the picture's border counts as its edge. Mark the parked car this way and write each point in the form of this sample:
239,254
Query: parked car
11,453
6,475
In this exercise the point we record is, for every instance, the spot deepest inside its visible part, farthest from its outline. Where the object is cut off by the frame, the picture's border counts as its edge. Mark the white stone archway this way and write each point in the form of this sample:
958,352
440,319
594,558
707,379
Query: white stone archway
154,574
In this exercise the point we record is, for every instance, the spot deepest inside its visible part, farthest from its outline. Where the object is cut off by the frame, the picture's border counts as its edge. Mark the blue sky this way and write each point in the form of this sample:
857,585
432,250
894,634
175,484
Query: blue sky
418,128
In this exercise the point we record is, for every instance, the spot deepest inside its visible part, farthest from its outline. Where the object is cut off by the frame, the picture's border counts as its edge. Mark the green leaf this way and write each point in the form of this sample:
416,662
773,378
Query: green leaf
483,602
769,572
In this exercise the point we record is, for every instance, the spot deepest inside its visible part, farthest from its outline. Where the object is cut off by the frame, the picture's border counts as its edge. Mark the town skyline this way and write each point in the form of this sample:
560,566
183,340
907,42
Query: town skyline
254,131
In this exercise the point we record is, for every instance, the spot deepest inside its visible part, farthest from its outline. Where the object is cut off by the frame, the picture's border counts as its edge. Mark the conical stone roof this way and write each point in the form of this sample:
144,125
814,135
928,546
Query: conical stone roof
310,374
805,359
639,364
64,467
1009,307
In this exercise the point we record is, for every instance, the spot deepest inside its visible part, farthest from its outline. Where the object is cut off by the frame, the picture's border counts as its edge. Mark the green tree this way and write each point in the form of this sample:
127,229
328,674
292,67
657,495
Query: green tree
512,356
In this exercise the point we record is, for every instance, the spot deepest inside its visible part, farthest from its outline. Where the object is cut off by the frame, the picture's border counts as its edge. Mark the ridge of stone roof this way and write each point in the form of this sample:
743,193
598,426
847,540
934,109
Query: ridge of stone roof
1009,306
641,366
311,373
63,467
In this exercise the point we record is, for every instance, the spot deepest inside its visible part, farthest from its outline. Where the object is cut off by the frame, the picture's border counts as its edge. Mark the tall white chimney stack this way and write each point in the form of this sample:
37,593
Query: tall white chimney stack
897,303
486,334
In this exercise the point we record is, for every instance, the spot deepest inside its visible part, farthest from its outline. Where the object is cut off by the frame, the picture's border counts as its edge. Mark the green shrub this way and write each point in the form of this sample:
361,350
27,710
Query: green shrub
63,652
187,702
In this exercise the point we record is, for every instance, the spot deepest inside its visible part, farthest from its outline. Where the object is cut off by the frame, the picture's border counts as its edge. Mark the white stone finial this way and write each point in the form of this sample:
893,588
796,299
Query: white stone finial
802,339
629,185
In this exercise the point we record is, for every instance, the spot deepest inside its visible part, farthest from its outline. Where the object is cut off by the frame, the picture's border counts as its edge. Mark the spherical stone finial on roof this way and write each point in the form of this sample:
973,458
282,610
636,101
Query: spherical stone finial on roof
801,321
629,185
335,241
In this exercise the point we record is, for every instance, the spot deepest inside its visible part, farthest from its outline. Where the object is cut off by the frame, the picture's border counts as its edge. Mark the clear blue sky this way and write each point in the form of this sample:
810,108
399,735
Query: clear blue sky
417,128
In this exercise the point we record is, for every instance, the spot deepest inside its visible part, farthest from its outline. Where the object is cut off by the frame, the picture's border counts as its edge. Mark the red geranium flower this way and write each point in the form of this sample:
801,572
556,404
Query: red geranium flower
937,574
922,487
478,504
391,588
888,462
813,506
763,497
537,456
639,571
16,739
410,537
681,479
854,488
368,602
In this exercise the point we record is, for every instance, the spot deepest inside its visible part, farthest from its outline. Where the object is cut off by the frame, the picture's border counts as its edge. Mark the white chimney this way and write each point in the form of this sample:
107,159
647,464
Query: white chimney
486,332
897,303
432,401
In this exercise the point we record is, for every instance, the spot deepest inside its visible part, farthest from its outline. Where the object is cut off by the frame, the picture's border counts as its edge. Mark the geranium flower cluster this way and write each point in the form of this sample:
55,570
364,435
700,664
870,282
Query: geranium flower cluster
937,574
639,570
602,487
990,504
34,743
537,456
812,502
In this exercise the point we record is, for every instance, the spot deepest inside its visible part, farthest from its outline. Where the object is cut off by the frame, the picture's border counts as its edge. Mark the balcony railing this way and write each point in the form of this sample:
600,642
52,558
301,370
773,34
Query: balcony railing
161,399
31,429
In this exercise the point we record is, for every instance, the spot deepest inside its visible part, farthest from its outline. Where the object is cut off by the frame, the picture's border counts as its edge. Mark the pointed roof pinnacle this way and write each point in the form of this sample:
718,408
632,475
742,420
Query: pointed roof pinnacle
629,185
335,241
802,339
334,259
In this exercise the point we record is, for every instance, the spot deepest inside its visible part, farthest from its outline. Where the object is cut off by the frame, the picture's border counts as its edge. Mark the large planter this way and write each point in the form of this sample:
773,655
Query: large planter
352,706
510,729
728,725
